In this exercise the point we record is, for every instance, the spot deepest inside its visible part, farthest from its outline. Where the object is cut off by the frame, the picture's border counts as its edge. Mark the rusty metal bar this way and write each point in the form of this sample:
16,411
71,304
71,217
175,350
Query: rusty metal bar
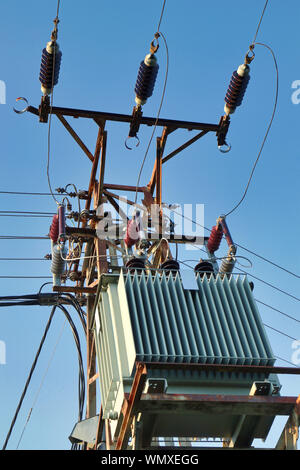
163,140
99,428
99,146
91,408
116,206
102,168
149,121
75,289
158,175
184,146
226,368
130,405
218,404
83,232
122,187
120,198
76,137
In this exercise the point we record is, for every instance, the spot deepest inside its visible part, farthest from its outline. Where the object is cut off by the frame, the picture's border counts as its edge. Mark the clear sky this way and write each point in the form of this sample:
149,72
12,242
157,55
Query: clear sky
102,45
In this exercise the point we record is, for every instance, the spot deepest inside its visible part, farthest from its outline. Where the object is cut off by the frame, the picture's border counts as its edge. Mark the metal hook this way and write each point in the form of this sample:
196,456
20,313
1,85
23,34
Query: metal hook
224,148
249,58
133,137
153,47
22,110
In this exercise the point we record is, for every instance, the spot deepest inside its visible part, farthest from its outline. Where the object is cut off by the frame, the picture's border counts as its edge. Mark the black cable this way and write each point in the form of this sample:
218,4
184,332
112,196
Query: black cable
278,311
29,378
24,259
22,237
280,332
261,18
240,246
24,193
28,212
81,377
25,277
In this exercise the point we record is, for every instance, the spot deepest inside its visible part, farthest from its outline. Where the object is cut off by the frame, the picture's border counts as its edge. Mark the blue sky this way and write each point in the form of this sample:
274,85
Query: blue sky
102,45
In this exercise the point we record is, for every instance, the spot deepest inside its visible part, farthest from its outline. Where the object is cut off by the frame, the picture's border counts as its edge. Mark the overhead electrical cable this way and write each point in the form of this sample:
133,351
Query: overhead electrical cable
41,384
260,21
240,246
24,193
29,378
81,377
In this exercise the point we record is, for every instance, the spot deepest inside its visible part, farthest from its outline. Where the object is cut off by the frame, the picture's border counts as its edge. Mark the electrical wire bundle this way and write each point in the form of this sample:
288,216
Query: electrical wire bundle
57,301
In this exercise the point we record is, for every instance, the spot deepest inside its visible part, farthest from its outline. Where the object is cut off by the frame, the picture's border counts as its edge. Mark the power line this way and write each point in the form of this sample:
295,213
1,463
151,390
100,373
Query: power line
29,377
41,384
28,212
24,259
278,311
240,246
280,332
23,237
81,381
268,261
25,277
270,285
24,193
260,21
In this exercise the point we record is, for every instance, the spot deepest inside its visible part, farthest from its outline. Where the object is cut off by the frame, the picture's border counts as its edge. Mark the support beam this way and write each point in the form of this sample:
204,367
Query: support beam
130,406
184,146
75,137
91,408
149,121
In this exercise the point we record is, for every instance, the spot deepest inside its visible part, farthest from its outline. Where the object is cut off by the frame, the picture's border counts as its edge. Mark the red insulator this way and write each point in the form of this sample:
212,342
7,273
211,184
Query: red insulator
54,229
215,238
132,233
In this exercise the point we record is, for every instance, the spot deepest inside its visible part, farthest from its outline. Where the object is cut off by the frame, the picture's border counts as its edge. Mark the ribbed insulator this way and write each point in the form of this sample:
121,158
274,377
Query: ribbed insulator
204,267
146,79
215,238
48,76
135,264
62,222
170,265
58,263
54,229
132,233
237,87
227,266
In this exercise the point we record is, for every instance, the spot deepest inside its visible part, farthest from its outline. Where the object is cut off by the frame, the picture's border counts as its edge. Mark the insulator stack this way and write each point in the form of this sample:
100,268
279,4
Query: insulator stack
54,229
135,264
132,233
50,66
215,239
62,223
58,263
227,265
204,267
237,87
146,79
170,265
